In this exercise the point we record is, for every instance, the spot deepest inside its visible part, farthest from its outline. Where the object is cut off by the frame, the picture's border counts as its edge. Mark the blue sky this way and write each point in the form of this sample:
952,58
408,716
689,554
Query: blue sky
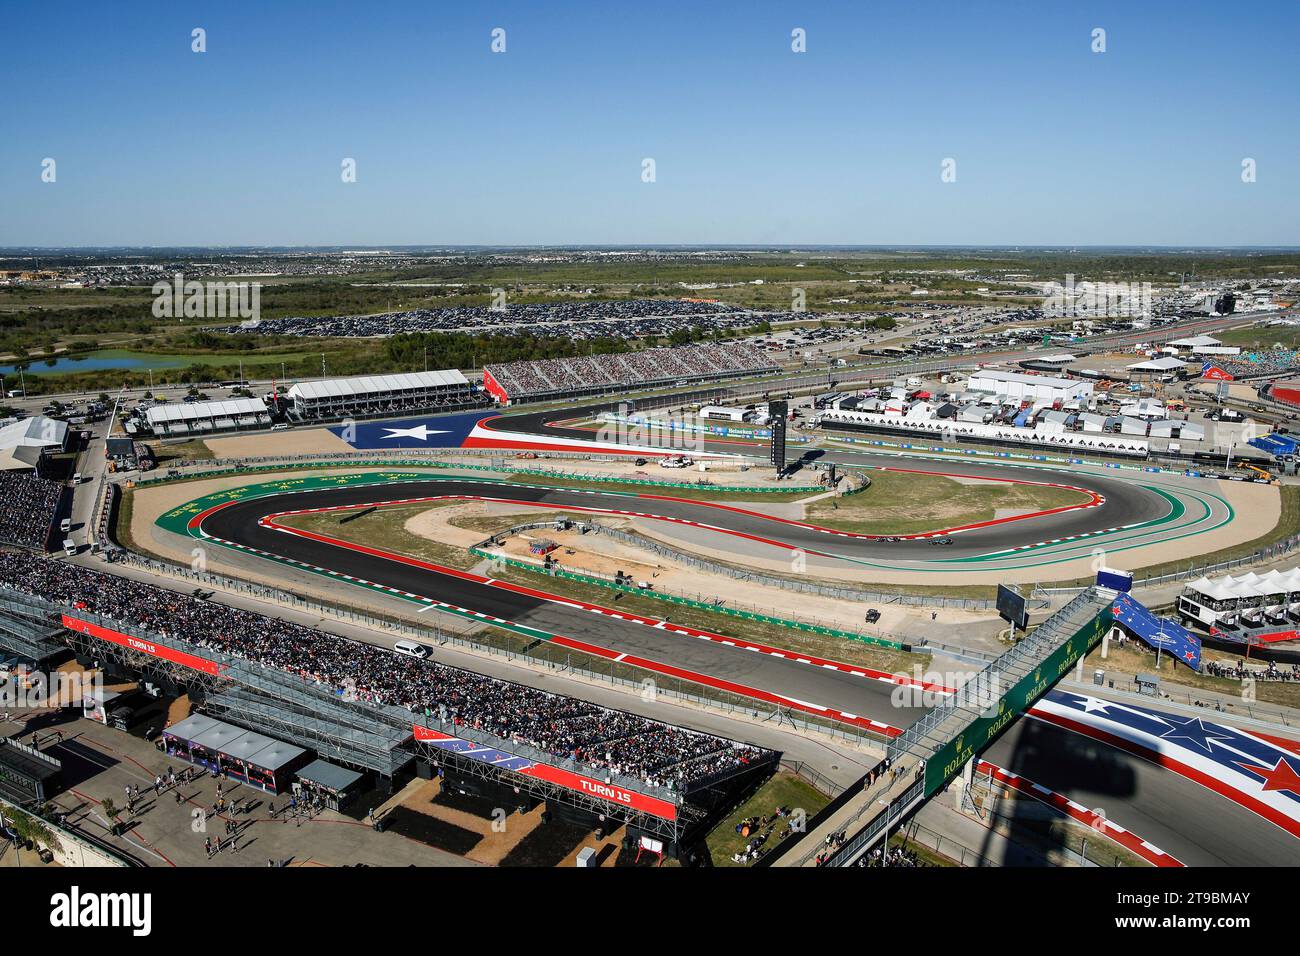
1054,144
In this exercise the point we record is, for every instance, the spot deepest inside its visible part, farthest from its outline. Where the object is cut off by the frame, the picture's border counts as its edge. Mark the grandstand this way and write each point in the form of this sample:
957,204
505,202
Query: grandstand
374,396
28,508
309,686
598,374
1269,363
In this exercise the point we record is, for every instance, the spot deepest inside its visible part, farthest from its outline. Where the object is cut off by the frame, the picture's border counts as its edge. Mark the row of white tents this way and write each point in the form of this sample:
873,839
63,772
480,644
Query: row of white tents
1046,420
956,429
1273,591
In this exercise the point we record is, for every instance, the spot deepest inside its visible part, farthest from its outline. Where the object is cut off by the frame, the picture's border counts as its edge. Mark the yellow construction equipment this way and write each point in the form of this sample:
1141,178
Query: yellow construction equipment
1263,473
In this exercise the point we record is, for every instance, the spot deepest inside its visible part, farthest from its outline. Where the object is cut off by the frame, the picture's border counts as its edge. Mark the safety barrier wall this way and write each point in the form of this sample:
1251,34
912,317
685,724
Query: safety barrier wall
724,431
802,586
317,461
1272,552
592,579
1184,472
979,433
534,654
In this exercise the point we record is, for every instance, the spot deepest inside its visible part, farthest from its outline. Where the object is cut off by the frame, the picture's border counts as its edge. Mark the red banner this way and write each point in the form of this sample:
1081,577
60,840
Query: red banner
603,791
136,644
1215,374
1286,393
588,786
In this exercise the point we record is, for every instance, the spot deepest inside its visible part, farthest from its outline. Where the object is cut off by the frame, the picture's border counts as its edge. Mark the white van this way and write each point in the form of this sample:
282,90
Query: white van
279,428
76,479
65,525
69,547
411,649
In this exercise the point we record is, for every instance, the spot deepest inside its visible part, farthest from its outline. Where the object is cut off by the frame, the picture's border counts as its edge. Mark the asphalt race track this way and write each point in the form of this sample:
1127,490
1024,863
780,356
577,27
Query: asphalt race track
1192,823
1186,820
1121,510
1136,509
805,685
834,691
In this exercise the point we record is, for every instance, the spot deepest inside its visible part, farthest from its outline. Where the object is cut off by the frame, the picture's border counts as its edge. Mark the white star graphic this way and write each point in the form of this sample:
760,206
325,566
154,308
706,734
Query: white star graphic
1093,705
422,432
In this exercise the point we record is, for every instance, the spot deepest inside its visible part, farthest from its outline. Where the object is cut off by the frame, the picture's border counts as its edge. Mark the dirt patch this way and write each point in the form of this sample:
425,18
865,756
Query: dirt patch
607,850
294,441
466,523
474,816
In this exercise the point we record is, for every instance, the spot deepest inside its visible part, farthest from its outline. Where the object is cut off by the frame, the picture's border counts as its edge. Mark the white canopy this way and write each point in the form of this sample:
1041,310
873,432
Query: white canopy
1214,590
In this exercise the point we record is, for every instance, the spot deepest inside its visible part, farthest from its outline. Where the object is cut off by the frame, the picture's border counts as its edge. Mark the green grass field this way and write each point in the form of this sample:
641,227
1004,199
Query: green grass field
1138,659
782,789
194,450
898,503
386,528
1261,337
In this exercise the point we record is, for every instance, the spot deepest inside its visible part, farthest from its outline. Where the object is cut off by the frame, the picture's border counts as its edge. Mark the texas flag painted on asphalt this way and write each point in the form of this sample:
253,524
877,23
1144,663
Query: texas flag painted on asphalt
1257,770
435,431
480,429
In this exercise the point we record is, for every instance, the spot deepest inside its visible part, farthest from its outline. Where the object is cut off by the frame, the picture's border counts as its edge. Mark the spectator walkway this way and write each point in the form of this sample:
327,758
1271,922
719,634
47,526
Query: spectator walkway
102,762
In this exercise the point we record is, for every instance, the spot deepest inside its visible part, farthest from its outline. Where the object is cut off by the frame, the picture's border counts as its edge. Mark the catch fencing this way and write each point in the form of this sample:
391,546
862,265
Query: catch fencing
801,585
1144,579
535,654
700,602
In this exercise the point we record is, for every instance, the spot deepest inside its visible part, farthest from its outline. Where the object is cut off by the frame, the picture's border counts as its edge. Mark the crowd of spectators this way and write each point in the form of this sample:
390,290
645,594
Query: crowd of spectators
895,856
761,833
1258,364
595,373
598,739
1237,670
571,320
28,507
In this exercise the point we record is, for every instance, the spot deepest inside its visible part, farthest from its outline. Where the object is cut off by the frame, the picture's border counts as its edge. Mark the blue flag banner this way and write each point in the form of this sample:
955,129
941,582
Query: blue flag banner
1275,444
1168,636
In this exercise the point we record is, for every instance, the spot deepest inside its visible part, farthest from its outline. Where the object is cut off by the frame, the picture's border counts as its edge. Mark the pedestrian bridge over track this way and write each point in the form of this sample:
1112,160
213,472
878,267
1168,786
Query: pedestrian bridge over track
927,755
